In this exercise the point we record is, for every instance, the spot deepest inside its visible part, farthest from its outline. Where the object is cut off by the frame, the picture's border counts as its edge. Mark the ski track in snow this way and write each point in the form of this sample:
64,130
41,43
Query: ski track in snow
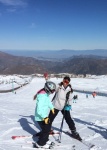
96,135
10,130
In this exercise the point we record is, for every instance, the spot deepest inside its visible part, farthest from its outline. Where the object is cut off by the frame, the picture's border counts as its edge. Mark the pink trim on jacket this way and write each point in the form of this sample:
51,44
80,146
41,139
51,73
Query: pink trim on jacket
42,91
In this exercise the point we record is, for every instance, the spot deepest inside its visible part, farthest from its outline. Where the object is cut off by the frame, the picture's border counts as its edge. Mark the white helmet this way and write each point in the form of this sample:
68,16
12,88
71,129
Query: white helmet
50,87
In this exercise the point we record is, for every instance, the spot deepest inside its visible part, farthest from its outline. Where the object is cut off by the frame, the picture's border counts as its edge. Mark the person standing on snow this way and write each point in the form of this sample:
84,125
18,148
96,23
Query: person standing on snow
59,101
75,98
46,76
43,104
94,94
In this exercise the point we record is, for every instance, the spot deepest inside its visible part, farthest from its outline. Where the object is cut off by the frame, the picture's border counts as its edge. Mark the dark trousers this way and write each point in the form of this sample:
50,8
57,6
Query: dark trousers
44,135
67,118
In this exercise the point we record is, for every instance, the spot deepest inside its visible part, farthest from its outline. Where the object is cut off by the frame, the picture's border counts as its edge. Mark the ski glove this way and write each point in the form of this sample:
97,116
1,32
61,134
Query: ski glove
68,107
46,120
53,111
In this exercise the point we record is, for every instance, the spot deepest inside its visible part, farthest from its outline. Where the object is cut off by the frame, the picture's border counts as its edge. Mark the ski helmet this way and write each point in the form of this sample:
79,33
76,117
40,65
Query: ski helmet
50,87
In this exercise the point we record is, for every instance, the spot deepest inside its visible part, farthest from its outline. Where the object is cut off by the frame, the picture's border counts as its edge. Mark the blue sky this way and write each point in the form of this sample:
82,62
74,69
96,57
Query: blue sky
53,24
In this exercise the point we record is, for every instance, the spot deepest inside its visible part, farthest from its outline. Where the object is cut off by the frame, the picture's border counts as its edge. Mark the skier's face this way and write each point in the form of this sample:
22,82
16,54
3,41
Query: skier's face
65,83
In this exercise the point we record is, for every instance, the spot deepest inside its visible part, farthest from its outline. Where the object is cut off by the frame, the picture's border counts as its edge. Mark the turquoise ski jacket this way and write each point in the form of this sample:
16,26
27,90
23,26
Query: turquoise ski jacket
43,106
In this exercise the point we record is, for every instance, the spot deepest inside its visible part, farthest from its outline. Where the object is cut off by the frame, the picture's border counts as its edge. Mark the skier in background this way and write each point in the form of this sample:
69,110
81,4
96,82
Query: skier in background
86,95
75,98
46,76
94,94
43,104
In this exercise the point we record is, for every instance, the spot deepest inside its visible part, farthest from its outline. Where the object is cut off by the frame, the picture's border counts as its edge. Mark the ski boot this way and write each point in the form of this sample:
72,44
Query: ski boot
76,135
46,146
50,143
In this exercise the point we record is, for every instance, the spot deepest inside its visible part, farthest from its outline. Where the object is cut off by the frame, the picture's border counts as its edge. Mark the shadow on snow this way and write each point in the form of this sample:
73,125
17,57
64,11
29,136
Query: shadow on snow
27,126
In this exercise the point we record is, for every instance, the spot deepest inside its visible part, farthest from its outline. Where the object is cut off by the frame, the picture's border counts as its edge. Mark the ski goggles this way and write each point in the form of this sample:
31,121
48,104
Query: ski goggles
66,81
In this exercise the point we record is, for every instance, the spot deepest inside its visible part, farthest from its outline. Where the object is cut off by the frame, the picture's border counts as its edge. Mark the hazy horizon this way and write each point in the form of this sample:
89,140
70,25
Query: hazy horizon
51,49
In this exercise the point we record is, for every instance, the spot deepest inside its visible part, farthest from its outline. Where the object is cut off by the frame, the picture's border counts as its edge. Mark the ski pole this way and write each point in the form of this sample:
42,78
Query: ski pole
59,138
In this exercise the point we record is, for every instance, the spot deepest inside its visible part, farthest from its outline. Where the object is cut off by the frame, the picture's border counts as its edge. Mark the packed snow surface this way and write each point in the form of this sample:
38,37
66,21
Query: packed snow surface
17,114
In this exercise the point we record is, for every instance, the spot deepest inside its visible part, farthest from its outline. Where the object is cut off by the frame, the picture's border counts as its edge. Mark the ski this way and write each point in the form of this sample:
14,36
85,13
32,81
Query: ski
88,144
54,133
52,143
20,136
34,146
31,142
55,146
29,136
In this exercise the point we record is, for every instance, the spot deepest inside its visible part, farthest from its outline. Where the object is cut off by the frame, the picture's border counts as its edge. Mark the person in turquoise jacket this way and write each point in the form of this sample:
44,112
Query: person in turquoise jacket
43,107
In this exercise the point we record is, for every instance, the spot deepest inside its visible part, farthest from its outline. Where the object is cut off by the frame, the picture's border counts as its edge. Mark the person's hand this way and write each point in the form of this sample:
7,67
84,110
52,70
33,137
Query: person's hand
53,111
46,120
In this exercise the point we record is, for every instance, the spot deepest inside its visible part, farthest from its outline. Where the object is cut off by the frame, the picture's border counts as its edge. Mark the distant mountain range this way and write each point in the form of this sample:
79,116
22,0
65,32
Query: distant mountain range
56,55
83,65
10,64
73,62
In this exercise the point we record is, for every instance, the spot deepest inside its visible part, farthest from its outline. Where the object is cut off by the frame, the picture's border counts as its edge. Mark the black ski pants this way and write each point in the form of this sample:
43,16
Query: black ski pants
44,134
67,118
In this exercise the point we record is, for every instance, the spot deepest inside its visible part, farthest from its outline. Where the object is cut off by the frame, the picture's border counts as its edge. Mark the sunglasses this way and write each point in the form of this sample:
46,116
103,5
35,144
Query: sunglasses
66,81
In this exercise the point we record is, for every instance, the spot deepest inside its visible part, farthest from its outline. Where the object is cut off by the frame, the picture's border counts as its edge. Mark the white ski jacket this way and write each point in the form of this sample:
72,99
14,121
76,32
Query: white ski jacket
60,97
